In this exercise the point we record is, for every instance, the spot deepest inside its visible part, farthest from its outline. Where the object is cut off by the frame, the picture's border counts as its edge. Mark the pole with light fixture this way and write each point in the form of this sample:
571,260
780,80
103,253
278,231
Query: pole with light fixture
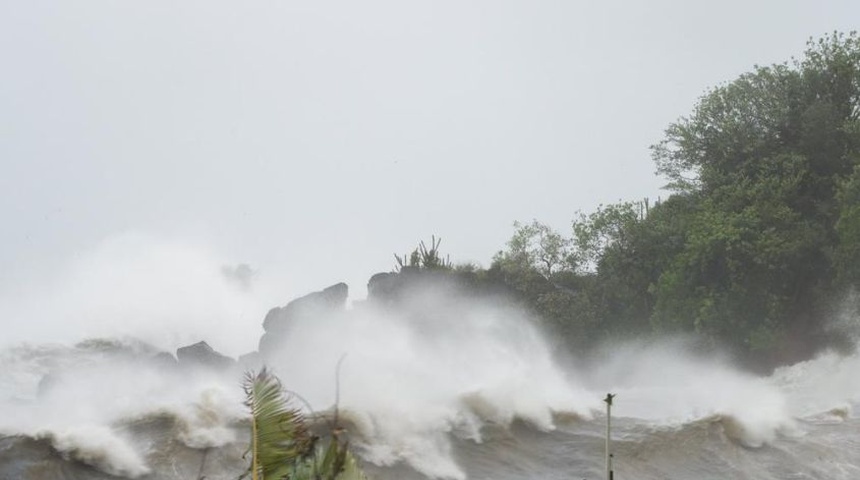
608,400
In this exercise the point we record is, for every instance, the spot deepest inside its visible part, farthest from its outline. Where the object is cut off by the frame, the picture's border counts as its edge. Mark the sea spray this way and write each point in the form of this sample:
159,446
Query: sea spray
440,384
828,382
438,364
165,292
679,413
85,404
98,446
668,382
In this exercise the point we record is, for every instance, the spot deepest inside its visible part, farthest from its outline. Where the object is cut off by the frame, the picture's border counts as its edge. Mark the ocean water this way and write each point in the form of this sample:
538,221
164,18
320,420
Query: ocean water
475,394
440,387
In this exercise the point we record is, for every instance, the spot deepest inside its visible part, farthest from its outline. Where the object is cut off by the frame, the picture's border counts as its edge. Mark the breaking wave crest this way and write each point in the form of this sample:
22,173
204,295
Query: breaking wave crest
440,387
437,368
98,446
95,402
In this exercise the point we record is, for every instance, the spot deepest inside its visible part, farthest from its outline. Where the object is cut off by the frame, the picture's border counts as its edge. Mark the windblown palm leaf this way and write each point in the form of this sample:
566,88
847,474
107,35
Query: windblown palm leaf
282,447
279,435
338,463
334,463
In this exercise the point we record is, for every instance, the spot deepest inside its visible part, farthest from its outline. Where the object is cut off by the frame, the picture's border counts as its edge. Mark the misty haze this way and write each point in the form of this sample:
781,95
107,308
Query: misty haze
453,240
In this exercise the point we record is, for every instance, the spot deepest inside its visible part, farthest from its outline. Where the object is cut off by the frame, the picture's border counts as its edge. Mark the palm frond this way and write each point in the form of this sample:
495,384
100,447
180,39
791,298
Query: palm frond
334,462
339,463
282,447
279,433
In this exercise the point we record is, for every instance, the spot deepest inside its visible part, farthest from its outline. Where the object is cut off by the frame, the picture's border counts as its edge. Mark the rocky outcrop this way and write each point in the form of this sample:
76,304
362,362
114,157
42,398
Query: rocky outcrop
392,288
163,360
251,361
329,301
382,286
202,355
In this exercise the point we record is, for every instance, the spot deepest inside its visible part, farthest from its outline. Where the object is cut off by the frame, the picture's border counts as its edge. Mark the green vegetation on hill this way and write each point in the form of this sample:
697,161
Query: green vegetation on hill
758,239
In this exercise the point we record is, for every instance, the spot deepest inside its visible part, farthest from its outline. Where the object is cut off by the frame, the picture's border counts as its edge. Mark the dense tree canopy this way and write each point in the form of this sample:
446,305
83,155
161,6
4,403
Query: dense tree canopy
760,234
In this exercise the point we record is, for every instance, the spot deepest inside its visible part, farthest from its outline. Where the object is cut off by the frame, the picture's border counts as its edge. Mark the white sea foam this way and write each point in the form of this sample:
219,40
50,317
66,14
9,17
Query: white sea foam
437,366
165,292
666,382
91,396
411,378
207,422
825,383
98,446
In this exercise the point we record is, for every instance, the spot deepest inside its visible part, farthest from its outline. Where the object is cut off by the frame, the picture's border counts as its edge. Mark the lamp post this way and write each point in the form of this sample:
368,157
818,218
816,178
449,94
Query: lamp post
608,400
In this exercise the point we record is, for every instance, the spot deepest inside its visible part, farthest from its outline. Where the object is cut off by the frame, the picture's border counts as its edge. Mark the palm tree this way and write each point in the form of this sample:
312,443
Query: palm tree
282,447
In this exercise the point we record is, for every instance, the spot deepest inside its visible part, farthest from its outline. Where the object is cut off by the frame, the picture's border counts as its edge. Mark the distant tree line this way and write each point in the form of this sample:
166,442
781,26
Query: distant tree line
758,240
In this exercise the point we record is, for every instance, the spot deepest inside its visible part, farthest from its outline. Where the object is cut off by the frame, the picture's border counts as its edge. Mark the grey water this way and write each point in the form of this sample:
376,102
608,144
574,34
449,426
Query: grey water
439,387
484,401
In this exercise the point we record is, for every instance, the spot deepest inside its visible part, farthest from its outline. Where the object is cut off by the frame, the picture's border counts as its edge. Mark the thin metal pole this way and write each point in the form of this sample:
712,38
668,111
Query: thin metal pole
608,400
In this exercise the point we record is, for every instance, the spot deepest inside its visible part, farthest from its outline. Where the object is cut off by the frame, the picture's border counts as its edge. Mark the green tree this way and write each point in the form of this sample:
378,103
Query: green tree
536,246
282,447
539,266
847,252
762,229
425,258
608,228
765,153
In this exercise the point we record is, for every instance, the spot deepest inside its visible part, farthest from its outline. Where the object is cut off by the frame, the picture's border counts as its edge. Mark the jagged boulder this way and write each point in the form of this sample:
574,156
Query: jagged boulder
382,286
164,360
201,354
329,301
251,361
392,288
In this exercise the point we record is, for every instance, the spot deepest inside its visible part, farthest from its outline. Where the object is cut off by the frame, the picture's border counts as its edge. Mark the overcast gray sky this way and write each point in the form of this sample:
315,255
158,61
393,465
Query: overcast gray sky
315,139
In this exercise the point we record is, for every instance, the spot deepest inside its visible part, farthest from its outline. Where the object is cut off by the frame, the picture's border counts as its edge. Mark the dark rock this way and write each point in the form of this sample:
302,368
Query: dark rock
381,286
268,344
332,299
163,360
393,287
202,355
251,361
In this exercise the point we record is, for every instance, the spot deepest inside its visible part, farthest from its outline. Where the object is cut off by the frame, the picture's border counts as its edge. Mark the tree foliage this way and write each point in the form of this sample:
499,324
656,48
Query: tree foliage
282,447
768,152
608,228
424,257
847,252
761,231
536,246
